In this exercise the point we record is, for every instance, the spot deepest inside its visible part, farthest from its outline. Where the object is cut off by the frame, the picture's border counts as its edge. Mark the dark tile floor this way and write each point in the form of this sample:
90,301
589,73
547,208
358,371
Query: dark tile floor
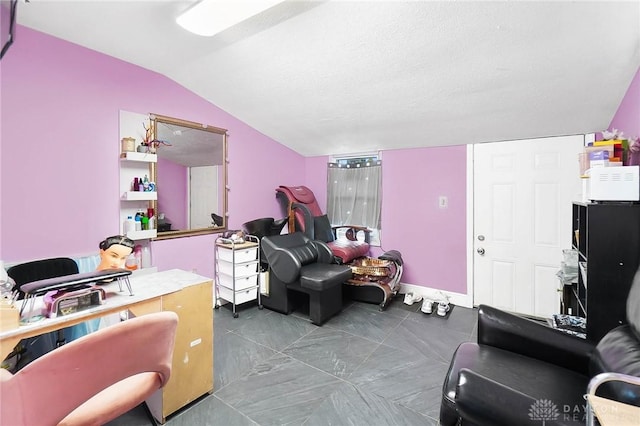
362,367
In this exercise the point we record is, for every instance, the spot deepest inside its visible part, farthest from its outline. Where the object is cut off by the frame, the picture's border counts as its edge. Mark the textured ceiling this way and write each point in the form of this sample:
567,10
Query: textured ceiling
338,77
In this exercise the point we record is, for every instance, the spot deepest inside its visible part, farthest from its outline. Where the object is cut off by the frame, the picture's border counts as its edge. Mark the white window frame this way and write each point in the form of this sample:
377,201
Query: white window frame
375,234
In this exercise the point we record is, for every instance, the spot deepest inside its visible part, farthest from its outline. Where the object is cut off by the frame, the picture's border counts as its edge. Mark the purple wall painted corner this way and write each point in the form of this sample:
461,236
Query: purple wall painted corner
627,118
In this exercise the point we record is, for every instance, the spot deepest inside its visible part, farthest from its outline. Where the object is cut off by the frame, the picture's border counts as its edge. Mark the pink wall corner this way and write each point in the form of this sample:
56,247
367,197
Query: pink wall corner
255,171
432,240
627,117
316,179
59,170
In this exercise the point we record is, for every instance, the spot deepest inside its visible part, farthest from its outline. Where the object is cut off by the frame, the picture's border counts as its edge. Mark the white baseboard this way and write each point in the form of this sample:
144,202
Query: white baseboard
456,298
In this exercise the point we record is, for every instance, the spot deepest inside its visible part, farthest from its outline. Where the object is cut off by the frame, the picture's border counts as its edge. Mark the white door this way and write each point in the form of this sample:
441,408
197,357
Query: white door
522,221
203,195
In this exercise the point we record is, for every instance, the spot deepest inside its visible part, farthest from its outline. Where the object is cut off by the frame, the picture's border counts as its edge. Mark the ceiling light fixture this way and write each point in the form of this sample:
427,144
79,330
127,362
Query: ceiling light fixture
210,17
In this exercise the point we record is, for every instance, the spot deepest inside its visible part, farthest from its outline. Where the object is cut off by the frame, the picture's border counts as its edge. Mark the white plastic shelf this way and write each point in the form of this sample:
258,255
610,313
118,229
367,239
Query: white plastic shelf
140,196
142,235
139,156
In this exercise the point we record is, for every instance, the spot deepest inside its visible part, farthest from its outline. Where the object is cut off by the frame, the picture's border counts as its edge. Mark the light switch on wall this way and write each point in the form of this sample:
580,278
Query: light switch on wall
443,202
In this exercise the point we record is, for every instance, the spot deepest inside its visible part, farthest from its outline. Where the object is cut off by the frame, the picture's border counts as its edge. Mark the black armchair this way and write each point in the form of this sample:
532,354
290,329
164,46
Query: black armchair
298,266
518,366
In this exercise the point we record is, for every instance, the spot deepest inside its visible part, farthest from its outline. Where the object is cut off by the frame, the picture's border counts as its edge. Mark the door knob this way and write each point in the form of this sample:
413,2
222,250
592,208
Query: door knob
480,237
480,251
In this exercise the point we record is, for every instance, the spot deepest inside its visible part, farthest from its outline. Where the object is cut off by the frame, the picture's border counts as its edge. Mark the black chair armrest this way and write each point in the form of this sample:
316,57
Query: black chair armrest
482,401
516,334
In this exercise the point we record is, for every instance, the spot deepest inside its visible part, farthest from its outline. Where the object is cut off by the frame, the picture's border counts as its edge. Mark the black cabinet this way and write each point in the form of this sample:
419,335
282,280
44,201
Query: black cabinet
607,237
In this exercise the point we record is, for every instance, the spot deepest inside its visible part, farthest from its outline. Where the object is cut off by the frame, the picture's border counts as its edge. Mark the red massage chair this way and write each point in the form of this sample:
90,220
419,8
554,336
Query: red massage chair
300,206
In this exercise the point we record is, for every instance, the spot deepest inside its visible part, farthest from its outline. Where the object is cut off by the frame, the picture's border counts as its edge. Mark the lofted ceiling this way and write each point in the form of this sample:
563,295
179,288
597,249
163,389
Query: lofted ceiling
338,77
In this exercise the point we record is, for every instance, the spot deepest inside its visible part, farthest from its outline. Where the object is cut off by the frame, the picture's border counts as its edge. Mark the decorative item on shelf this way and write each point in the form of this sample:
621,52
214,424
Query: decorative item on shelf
150,144
128,144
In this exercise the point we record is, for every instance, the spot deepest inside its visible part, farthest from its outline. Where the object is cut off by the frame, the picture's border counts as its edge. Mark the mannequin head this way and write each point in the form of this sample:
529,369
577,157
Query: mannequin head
114,251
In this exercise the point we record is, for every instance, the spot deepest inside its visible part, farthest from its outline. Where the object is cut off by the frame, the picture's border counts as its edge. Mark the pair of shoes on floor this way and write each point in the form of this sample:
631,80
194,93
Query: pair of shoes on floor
427,306
443,308
410,298
440,301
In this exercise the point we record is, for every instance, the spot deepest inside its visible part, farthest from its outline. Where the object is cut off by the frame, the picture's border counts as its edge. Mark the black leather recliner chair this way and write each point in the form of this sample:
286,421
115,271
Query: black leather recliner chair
297,266
264,227
519,365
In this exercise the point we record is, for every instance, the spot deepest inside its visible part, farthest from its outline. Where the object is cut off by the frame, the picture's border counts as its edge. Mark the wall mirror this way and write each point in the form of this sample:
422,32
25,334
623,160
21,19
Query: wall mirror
190,177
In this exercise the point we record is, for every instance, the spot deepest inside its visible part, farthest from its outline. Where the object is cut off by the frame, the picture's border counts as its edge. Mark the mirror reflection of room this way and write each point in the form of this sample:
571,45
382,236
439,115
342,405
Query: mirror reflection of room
190,175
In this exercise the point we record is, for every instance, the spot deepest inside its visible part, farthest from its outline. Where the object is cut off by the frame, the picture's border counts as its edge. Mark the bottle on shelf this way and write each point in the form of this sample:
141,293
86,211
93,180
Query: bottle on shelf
146,257
137,253
152,218
138,225
135,184
129,225
140,185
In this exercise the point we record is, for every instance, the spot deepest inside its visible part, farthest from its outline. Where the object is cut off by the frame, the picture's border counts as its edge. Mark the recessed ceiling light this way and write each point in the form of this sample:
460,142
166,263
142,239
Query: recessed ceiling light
209,17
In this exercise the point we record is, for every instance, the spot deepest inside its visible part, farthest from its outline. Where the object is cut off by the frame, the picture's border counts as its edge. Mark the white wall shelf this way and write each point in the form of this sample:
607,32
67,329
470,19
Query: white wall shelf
139,196
142,235
139,156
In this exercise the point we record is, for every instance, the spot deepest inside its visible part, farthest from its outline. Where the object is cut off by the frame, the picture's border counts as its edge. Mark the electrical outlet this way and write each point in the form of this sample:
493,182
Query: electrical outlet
443,202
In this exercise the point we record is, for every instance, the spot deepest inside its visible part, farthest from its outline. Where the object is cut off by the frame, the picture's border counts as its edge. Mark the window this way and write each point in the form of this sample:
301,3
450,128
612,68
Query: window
354,192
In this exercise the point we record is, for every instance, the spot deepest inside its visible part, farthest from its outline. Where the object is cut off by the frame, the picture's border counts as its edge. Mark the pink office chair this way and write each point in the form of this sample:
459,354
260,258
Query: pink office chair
94,379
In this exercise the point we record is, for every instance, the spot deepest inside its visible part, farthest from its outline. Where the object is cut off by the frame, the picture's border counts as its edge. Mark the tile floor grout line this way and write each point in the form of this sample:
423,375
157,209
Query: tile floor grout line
236,410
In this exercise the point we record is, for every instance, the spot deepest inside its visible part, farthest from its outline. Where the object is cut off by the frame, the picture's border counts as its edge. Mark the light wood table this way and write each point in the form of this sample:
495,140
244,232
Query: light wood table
189,295
614,413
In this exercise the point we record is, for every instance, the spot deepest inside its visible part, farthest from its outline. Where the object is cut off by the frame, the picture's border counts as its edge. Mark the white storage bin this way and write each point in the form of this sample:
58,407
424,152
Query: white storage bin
241,296
242,270
241,283
242,255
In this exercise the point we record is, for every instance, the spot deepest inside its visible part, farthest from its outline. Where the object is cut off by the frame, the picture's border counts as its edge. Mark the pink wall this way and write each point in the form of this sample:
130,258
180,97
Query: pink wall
627,118
59,170
432,240
172,198
59,151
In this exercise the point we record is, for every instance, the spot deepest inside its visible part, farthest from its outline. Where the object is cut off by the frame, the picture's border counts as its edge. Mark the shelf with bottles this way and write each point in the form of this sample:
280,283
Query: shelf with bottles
144,157
139,224
139,196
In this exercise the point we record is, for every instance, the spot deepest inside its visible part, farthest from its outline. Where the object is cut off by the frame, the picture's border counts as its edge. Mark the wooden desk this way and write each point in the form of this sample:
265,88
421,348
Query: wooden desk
189,295
613,413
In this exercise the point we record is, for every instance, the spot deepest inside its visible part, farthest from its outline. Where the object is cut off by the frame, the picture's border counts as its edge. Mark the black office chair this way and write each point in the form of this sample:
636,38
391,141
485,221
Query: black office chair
41,270
28,272
520,370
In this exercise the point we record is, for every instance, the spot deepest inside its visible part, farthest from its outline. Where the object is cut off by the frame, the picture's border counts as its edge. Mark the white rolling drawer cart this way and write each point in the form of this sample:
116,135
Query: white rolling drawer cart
237,271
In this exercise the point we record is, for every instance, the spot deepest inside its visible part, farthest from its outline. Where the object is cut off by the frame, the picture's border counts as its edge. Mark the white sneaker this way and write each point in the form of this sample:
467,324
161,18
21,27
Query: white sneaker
427,306
443,308
410,298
